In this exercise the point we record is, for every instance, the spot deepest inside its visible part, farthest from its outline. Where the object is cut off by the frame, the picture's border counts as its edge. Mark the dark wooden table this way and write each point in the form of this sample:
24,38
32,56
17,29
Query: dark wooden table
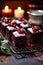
11,60
28,60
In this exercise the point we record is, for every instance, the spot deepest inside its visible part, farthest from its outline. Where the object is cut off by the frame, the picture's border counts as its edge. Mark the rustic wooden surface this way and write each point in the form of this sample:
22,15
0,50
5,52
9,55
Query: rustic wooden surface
11,60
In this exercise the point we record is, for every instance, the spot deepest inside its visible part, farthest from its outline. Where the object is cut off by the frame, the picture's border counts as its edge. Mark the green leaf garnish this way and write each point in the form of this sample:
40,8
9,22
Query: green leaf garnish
24,30
5,49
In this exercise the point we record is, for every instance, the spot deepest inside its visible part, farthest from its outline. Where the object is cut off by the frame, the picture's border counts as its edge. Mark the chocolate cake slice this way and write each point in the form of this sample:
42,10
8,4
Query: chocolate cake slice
3,26
9,31
19,39
34,36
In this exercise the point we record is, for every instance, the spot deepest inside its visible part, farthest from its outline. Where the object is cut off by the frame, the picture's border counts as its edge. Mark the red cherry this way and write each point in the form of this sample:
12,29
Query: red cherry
21,19
30,45
6,21
9,24
20,31
14,25
31,24
24,22
35,28
9,21
2,19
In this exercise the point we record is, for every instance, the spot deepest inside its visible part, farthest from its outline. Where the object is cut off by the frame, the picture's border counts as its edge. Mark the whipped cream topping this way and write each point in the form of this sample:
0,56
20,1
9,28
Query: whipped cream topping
24,25
30,29
16,34
18,22
4,24
10,28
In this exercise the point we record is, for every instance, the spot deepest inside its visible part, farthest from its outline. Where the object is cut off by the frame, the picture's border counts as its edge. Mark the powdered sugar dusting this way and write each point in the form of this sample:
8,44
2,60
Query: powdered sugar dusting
16,34
24,25
10,28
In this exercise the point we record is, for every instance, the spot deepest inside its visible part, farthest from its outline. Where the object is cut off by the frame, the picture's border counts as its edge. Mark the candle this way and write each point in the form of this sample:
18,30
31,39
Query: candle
6,11
18,12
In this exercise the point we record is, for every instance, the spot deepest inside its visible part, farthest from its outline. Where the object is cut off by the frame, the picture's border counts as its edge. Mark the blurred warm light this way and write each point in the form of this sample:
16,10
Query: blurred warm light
18,12
31,5
6,11
19,8
6,8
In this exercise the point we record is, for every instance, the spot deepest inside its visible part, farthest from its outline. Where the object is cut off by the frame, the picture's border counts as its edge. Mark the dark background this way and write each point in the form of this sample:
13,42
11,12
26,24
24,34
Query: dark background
13,4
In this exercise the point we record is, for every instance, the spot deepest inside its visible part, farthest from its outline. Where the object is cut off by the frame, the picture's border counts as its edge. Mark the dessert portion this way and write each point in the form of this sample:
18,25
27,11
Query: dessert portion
34,35
0,25
9,29
19,38
4,24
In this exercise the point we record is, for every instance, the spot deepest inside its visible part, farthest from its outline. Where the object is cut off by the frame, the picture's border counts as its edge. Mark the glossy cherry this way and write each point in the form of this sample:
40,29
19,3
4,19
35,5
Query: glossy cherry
30,45
9,24
31,24
21,19
14,25
20,31
2,19
35,28
24,22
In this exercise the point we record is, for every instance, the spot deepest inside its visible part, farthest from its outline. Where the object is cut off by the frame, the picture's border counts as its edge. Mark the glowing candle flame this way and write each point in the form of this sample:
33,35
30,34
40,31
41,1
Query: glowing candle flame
18,12
19,8
6,8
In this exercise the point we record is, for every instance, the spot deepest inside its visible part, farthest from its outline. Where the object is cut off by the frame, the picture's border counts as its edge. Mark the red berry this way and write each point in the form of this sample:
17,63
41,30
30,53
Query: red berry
6,21
35,28
2,19
30,45
9,21
24,22
21,19
20,31
14,25
9,24
31,24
